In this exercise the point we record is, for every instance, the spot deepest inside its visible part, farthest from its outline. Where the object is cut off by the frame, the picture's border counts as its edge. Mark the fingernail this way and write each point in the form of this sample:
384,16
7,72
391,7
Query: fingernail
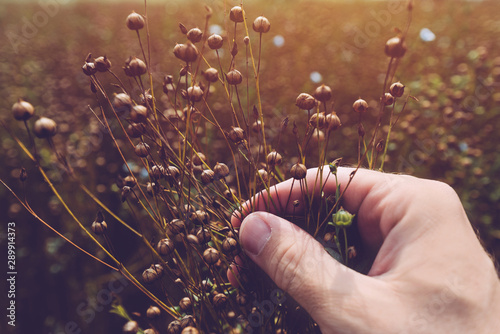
256,233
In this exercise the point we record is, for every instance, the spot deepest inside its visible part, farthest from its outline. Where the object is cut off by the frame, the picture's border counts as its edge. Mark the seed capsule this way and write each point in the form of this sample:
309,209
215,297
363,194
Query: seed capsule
172,173
236,135
221,170
388,99
215,41
234,77
298,171
131,327
142,150
188,320
360,106
102,64
165,246
44,127
122,102
177,226
190,330
135,21
135,130
211,74
157,171
274,158
186,52
174,327
152,273
185,304
323,93
236,14
317,120
153,312
135,67
395,47
211,255
262,175
261,25
22,110
332,121
139,114
194,93
207,176
23,175
99,226
220,300
89,69
305,101
397,89
194,35
203,236
230,245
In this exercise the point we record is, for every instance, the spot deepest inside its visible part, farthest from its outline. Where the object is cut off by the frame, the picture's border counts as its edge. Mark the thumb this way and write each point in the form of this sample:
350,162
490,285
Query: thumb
334,295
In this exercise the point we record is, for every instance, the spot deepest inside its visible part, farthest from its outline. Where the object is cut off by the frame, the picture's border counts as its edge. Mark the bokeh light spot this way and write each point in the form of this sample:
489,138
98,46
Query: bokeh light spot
279,41
316,77
427,35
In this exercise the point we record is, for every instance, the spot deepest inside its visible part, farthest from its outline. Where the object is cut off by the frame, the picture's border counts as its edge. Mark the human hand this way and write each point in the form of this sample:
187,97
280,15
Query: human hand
430,274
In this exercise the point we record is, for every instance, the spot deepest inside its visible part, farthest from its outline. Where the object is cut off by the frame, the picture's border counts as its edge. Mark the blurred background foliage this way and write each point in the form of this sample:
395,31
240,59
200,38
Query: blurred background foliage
452,66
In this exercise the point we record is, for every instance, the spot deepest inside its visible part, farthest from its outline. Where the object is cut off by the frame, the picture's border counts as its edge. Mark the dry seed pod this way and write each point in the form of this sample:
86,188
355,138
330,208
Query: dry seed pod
188,320
177,226
246,40
388,99
142,150
236,14
190,330
332,121
317,120
360,106
150,331
186,52
194,93
207,176
129,181
230,245
139,114
262,175
305,101
153,312
199,216
380,146
198,159
89,69
274,158
157,171
203,236
183,28
192,239
257,127
318,136
135,67
174,327
298,171
397,89
215,41
323,93
22,110
122,101
125,192
194,35
152,273
229,193
395,47
220,300
131,327
165,246
211,74
221,170
185,304
261,25
99,226
135,130
135,21
211,255
234,77
102,64
44,127
236,135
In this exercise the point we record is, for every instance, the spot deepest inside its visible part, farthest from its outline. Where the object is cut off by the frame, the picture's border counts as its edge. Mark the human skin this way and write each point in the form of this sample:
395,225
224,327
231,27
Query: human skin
430,274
